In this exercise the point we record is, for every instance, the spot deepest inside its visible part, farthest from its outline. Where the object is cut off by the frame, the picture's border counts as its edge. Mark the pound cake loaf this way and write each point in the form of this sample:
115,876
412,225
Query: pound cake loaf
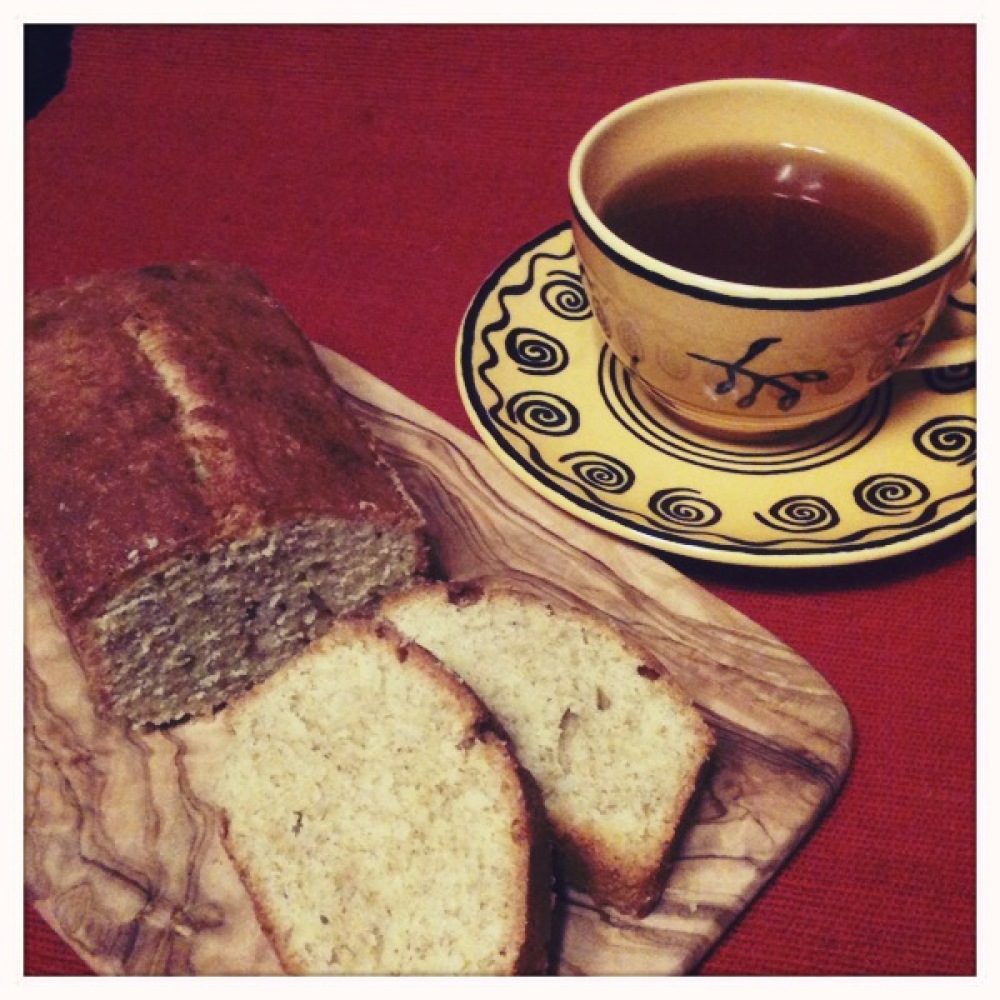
379,819
614,745
199,501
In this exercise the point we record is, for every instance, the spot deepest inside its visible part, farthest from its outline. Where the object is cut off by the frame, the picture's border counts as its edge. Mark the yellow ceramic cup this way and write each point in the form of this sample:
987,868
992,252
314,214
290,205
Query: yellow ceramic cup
743,360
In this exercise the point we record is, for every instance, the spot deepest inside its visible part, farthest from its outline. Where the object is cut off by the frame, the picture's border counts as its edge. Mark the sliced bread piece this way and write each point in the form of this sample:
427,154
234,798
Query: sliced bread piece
614,744
379,819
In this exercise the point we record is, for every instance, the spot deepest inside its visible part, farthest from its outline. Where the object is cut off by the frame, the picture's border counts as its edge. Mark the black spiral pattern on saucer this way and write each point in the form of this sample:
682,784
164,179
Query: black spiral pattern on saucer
684,508
526,325
564,296
890,494
948,439
951,379
535,352
544,413
600,472
800,514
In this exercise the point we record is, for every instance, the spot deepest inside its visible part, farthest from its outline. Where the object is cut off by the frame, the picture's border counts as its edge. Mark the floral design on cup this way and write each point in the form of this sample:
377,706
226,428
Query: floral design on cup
673,364
738,373
629,339
844,330
899,347
836,379
895,470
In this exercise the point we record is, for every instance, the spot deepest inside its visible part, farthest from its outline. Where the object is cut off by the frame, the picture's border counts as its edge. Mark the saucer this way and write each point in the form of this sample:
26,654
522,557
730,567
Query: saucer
895,473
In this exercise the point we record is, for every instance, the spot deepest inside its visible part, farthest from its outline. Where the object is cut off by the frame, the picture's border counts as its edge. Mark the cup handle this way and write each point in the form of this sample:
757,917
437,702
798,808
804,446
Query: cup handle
952,338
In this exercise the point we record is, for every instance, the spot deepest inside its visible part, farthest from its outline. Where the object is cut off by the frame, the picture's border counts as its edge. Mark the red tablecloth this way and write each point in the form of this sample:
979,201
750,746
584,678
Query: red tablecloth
373,177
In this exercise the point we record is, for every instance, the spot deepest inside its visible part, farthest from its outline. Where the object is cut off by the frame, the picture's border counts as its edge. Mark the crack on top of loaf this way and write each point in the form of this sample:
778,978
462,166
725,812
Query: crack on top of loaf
208,445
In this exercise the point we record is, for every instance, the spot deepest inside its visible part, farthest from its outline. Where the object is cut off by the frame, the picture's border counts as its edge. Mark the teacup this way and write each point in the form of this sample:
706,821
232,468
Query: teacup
728,352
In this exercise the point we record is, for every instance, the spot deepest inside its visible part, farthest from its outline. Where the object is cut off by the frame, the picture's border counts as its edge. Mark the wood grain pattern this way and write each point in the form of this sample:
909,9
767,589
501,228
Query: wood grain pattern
122,850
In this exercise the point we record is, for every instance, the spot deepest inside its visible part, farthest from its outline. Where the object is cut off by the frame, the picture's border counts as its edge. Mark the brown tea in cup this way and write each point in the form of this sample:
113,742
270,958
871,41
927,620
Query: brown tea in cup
761,254
774,215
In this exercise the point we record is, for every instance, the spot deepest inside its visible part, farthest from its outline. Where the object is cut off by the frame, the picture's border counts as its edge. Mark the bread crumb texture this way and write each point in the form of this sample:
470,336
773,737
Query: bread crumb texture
614,744
205,627
376,828
198,497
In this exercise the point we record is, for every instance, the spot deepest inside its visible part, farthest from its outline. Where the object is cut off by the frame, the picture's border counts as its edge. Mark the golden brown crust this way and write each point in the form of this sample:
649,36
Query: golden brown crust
179,426
271,932
124,470
533,956
636,892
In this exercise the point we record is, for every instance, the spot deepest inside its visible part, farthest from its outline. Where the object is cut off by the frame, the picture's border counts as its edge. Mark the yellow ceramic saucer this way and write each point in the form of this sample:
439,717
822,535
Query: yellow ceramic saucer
895,473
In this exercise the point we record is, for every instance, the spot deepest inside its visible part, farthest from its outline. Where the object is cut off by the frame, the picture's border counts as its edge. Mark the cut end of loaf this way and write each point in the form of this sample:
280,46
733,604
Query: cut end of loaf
204,628
198,495
379,824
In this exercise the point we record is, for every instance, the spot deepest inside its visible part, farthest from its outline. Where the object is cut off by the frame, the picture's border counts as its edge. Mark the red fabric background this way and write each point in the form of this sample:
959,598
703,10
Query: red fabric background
373,177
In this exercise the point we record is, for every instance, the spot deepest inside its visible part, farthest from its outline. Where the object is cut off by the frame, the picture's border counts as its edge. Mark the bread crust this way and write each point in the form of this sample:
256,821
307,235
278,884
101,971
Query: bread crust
169,411
531,828
124,470
582,860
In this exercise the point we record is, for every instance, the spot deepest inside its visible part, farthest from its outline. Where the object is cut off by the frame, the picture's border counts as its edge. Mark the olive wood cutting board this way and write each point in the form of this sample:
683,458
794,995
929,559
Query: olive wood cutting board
122,849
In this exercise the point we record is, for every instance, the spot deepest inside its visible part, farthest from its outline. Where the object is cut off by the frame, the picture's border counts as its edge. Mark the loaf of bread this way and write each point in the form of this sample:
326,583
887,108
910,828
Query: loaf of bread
614,745
379,819
199,501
